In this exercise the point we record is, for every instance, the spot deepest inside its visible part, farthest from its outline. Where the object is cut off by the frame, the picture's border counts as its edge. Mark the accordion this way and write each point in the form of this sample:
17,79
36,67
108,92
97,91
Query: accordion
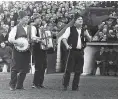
46,37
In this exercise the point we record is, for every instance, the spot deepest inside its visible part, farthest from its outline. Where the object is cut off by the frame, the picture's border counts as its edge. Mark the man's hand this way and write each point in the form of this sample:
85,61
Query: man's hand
1,60
43,42
87,35
66,44
17,43
36,39
98,62
68,47
110,62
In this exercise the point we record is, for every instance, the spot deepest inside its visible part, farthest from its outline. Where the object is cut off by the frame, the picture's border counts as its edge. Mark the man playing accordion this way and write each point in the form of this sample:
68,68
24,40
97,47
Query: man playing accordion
39,53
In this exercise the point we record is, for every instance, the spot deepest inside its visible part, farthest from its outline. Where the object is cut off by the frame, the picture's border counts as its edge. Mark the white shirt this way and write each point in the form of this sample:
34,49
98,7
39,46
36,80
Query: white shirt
67,34
12,33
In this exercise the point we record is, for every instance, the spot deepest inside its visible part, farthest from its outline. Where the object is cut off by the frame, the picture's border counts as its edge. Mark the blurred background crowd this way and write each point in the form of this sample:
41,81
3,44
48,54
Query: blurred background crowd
55,14
108,29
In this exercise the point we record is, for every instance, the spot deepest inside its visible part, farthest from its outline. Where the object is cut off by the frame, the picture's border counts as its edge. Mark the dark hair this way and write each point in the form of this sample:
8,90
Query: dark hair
76,16
3,42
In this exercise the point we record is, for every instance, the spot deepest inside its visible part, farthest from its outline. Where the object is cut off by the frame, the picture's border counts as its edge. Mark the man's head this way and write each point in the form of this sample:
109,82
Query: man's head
63,9
66,14
53,11
115,28
48,11
5,12
105,26
104,30
44,22
37,20
106,49
38,9
78,21
24,18
110,21
115,49
47,16
6,28
49,6
35,10
2,23
111,49
100,34
30,6
2,44
54,16
101,49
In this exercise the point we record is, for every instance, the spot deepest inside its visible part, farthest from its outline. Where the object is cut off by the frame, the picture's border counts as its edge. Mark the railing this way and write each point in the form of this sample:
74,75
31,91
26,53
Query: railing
63,30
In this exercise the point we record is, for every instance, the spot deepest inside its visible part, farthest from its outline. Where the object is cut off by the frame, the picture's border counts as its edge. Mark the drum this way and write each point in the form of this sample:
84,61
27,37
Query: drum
25,43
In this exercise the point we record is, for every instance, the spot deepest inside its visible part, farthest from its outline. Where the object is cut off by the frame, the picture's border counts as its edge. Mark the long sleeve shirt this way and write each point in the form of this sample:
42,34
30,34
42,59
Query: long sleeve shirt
12,33
67,34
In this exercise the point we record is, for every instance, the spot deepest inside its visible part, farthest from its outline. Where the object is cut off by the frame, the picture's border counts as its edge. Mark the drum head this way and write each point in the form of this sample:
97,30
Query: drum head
25,43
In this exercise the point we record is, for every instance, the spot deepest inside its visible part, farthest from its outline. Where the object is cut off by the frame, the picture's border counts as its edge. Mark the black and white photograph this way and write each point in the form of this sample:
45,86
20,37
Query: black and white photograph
58,49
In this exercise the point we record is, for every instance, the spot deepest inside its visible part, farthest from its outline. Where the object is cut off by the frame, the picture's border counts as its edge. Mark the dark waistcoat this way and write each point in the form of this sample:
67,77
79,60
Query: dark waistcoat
20,32
37,45
73,38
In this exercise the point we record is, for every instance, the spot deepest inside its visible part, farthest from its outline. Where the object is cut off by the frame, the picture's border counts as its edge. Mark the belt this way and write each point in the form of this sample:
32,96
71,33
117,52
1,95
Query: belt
74,49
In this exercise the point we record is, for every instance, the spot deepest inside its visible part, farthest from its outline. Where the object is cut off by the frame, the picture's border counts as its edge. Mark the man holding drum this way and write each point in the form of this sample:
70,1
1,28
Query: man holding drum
21,59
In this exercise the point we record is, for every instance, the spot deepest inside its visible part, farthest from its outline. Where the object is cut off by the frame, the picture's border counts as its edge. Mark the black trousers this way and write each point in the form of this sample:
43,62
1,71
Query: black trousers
112,67
19,68
17,79
75,63
40,60
75,82
102,67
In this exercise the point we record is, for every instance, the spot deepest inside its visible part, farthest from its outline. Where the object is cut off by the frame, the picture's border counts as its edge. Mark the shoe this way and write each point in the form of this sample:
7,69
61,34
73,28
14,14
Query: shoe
22,88
75,89
64,88
12,88
41,86
34,86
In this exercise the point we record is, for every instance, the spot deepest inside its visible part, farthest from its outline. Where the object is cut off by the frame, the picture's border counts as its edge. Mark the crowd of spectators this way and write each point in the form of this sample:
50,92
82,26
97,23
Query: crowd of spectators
108,29
105,4
55,14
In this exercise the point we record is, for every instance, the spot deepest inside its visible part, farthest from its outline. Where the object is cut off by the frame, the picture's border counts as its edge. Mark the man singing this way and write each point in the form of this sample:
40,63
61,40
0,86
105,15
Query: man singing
21,60
74,40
